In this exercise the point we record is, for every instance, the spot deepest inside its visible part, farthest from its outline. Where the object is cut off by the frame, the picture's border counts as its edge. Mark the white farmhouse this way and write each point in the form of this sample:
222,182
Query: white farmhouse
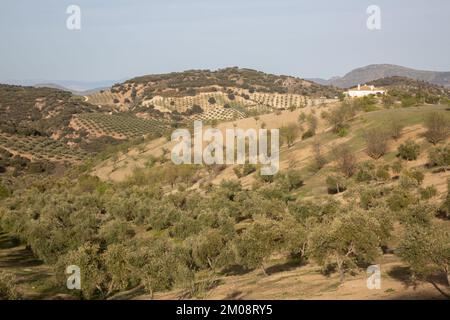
364,90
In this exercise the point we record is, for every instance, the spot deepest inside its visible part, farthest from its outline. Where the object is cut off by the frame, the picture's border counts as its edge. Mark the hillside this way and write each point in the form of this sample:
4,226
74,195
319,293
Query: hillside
411,86
361,181
378,71
231,87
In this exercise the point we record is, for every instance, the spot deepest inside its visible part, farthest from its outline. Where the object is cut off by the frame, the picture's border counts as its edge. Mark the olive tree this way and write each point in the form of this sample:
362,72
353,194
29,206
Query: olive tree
427,251
348,239
257,243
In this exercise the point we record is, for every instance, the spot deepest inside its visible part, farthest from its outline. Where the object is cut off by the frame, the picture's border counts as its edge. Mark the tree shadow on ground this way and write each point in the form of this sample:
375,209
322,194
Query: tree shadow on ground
402,274
235,270
7,242
286,266
19,258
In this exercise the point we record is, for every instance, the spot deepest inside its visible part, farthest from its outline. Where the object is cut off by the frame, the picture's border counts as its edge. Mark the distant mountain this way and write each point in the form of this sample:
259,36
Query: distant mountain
379,71
75,87
75,92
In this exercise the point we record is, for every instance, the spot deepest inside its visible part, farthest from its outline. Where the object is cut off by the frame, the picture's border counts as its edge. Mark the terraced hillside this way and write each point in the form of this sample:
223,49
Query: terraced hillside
243,89
40,148
117,126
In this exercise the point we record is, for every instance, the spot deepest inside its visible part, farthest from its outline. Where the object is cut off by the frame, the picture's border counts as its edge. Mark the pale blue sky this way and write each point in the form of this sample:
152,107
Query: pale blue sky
125,38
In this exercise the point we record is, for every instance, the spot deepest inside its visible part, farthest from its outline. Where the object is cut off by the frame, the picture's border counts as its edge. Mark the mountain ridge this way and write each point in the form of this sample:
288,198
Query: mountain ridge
378,71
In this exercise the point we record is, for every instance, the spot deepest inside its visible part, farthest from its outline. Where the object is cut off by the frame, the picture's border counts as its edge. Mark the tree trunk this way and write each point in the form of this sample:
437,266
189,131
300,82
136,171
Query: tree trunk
447,274
264,270
340,265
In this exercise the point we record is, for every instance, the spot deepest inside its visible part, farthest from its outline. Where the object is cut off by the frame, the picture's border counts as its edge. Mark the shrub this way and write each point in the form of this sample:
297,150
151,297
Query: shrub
307,134
428,192
342,132
411,179
409,150
366,172
397,167
383,173
439,156
395,128
376,141
336,184
8,289
438,127
290,180
369,198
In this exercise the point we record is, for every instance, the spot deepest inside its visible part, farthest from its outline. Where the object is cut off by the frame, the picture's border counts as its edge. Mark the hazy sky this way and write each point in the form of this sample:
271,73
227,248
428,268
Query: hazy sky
124,38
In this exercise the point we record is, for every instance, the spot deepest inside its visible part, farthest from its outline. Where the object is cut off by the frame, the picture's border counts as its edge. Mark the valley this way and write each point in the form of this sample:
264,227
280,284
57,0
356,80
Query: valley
89,181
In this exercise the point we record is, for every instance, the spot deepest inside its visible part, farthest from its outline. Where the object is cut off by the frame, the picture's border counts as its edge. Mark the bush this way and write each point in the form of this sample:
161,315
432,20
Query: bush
366,172
369,198
290,180
342,132
411,179
428,192
409,150
307,134
395,128
399,200
439,156
336,184
438,127
376,141
8,289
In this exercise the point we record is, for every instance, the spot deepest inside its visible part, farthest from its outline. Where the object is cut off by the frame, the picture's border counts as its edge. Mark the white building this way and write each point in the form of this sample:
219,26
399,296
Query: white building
364,90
